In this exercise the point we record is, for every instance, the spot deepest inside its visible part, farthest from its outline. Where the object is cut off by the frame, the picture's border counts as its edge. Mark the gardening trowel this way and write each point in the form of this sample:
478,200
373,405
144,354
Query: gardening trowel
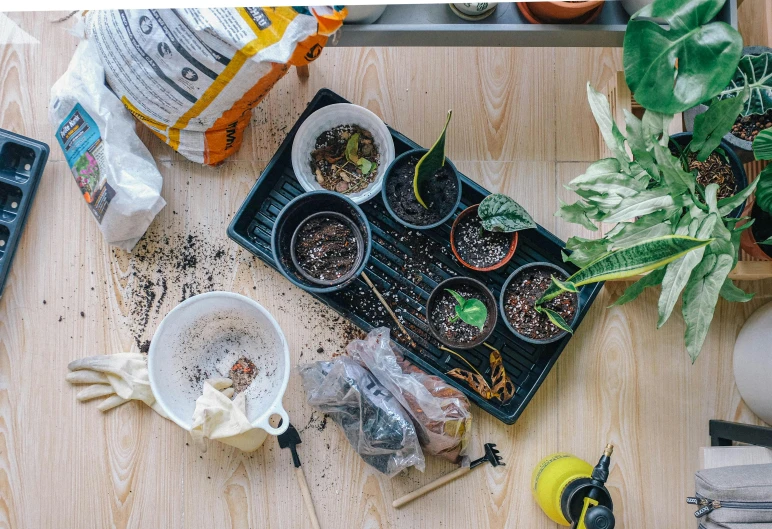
291,439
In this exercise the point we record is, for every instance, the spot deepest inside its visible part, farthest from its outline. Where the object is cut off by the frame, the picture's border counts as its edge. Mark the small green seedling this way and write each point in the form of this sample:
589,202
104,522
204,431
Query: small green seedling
500,213
471,311
352,155
430,163
556,319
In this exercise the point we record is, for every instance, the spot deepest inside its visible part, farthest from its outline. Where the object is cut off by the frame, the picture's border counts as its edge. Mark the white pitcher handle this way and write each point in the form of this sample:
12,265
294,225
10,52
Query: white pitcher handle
265,424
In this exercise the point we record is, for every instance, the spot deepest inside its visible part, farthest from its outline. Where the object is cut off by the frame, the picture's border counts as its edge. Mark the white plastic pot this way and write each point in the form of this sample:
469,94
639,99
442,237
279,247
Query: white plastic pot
364,14
332,116
753,363
202,338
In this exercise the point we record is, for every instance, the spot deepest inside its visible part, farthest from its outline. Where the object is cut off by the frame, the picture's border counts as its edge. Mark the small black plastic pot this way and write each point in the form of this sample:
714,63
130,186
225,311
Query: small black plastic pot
299,211
502,300
398,161
454,283
743,148
741,179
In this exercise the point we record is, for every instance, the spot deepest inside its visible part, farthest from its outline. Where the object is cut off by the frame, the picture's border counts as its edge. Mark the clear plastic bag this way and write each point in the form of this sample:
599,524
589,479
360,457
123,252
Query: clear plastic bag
440,412
374,422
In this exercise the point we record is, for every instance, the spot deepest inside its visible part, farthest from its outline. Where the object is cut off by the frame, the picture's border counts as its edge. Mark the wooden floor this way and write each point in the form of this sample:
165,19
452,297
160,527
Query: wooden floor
521,126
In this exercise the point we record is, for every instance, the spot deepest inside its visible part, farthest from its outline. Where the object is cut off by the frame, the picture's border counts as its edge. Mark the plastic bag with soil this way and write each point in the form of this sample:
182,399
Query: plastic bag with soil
440,412
374,422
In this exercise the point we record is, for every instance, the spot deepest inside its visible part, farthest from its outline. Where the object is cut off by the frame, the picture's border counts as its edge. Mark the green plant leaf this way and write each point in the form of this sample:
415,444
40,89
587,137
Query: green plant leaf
565,286
651,279
352,148
585,251
606,176
674,67
764,189
649,226
430,163
366,165
643,134
700,298
727,205
712,125
578,213
753,73
556,319
471,311
644,203
500,213
608,127
766,241
730,292
762,145
678,272
673,174
458,297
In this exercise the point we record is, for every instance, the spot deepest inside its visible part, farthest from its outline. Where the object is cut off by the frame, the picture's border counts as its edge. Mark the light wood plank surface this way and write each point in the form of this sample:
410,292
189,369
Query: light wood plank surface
521,125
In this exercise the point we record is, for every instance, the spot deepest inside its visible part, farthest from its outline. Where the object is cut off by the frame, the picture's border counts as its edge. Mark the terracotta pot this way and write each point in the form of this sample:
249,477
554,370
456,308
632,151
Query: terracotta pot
561,12
472,210
747,240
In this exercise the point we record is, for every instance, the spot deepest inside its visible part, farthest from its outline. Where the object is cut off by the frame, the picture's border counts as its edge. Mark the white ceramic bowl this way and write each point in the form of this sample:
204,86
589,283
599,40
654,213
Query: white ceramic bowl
753,363
333,116
202,338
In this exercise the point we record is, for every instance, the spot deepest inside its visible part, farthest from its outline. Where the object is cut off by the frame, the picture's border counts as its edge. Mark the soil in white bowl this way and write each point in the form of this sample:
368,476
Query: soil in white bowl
340,168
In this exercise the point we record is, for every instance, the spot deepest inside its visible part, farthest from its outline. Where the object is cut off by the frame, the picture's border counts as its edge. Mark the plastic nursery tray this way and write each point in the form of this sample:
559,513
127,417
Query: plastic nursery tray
405,266
21,165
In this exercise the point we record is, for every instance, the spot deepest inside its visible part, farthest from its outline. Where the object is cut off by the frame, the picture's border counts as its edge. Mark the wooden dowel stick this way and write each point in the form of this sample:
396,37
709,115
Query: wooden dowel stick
388,308
437,483
307,496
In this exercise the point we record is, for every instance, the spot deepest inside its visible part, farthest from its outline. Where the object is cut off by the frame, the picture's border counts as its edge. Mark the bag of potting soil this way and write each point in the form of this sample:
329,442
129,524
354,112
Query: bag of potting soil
113,169
193,75
374,422
441,413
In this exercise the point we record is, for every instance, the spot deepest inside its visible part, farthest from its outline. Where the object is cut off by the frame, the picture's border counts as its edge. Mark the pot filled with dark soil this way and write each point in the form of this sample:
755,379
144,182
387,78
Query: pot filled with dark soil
456,315
761,230
441,192
327,248
477,248
722,167
321,241
519,294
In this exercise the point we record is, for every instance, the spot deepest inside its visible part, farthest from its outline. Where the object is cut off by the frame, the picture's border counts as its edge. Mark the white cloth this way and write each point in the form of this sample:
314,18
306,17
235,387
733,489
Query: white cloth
218,417
120,377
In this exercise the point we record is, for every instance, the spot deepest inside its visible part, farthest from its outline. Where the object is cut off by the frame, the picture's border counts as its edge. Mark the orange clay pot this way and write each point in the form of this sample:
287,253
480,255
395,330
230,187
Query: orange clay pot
561,12
472,210
747,241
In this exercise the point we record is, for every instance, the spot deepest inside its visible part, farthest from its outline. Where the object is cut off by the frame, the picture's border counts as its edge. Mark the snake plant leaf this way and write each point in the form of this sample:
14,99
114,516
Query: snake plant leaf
585,251
556,319
608,127
764,189
643,203
731,292
753,73
766,241
471,311
762,145
651,279
352,148
712,125
727,205
700,298
673,67
430,163
565,286
678,272
500,213
578,213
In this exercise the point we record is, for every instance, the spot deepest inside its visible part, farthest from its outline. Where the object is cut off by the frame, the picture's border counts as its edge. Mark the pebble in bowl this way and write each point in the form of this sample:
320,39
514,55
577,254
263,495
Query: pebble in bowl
343,148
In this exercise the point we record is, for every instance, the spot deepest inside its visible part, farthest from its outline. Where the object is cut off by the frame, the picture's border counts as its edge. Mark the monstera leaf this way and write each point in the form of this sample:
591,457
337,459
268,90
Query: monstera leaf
501,213
755,72
698,55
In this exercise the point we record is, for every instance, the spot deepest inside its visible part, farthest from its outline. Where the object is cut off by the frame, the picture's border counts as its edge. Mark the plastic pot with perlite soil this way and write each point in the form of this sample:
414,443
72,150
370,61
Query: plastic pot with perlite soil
444,323
442,192
517,302
321,241
477,248
746,127
722,167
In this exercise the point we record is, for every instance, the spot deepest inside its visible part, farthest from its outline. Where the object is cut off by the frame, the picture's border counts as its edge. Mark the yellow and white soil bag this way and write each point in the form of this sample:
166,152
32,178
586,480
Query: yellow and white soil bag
194,75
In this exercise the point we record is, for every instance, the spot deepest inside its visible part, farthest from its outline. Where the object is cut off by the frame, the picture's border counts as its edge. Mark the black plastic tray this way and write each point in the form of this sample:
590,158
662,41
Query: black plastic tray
525,363
21,165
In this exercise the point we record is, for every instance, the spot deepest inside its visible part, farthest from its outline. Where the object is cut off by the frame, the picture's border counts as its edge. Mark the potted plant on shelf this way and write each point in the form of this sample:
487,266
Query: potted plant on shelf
581,12
484,236
461,312
422,188
757,241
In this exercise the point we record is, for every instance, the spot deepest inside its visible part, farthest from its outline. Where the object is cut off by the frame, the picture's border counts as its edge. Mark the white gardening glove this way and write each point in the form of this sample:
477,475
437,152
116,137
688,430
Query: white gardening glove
218,417
120,377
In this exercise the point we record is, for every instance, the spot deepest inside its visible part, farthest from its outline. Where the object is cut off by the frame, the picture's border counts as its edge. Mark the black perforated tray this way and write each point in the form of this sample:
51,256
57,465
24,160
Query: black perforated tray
21,165
408,289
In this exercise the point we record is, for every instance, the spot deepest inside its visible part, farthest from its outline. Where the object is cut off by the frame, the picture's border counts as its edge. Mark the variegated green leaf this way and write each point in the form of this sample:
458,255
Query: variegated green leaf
605,176
762,145
754,73
673,174
608,127
565,286
728,204
585,251
430,163
500,213
711,126
556,319
651,279
578,213
643,203
646,227
731,292
764,189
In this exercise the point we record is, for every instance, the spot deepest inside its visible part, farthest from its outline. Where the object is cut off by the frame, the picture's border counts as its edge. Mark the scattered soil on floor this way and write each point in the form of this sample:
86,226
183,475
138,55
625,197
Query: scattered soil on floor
521,295
714,170
748,127
326,248
443,315
242,374
439,193
478,246
333,170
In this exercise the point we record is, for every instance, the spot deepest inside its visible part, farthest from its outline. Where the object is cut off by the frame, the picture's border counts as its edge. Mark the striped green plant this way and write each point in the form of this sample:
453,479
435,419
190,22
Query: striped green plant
430,163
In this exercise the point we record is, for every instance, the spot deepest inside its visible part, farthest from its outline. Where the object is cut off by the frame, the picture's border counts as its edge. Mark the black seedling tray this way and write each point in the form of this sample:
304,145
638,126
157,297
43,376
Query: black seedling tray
21,165
405,266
